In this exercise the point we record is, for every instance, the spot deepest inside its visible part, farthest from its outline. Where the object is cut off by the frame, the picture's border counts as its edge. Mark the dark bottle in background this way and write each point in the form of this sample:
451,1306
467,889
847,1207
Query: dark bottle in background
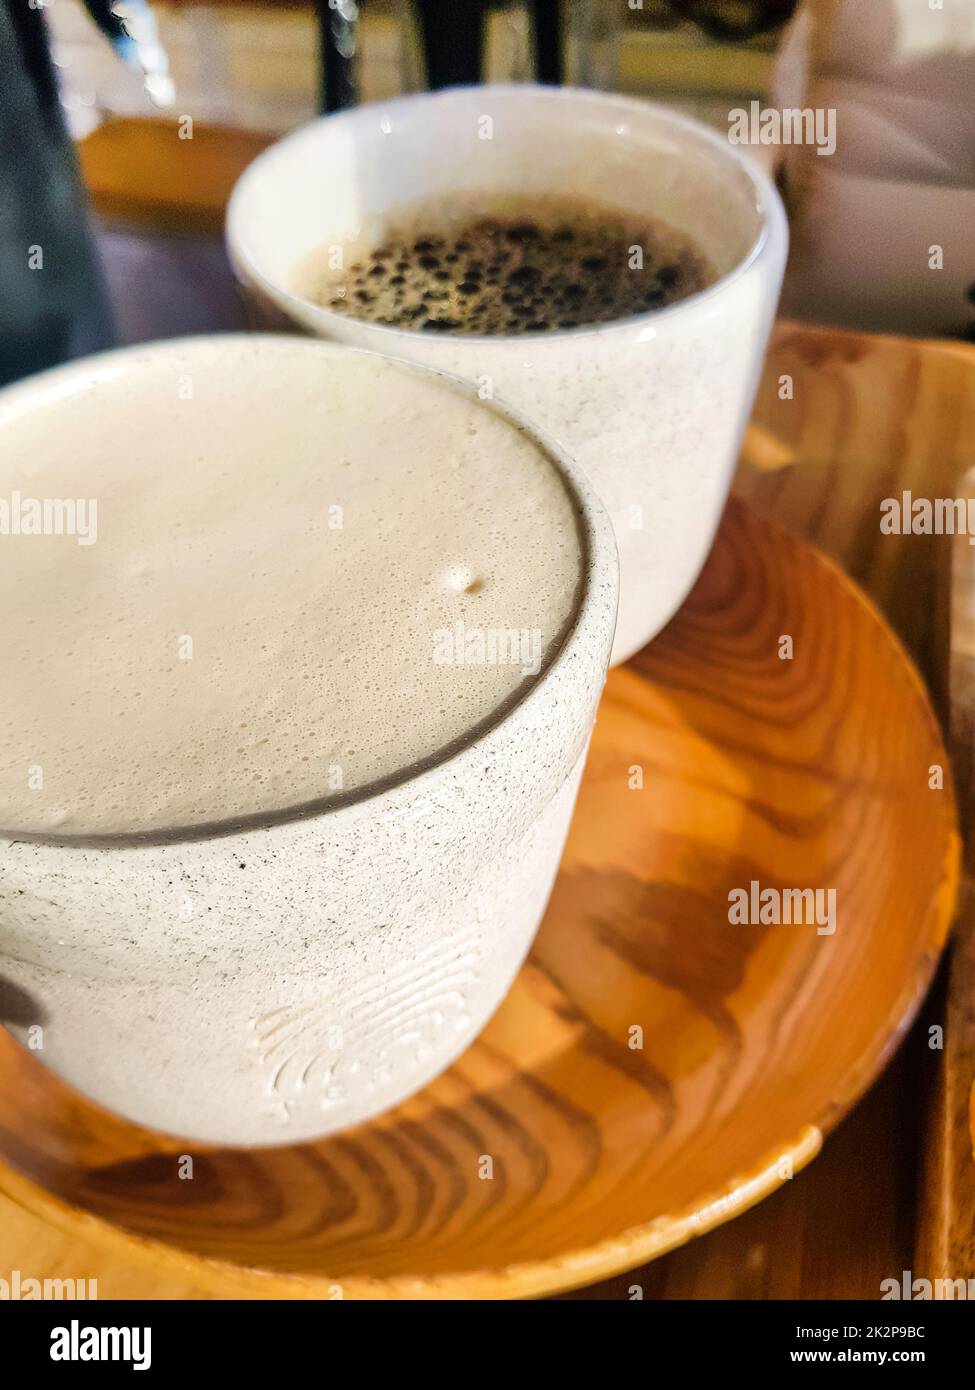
53,304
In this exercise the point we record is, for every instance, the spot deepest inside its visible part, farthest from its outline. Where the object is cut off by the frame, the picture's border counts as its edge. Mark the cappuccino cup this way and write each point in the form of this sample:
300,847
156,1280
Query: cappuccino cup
652,404
304,647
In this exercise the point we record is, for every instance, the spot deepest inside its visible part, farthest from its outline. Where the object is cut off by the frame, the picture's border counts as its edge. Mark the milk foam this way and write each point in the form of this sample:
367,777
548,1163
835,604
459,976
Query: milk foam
306,561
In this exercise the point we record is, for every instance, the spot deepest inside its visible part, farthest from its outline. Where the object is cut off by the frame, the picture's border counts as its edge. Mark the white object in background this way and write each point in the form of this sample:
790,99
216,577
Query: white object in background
882,229
867,256
888,134
908,45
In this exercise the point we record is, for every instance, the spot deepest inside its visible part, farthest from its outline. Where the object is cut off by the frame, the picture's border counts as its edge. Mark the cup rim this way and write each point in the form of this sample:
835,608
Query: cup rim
599,562
768,205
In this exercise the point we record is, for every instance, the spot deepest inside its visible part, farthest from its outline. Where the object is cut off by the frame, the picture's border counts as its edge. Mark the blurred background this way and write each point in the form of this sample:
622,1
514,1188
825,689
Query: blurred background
156,109
259,65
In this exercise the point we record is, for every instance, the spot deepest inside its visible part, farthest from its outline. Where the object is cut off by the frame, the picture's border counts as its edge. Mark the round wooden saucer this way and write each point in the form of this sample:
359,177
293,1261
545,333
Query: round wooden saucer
657,1066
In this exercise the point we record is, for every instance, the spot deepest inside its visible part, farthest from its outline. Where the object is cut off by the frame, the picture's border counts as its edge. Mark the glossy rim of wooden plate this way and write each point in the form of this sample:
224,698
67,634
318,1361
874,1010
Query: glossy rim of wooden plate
631,1247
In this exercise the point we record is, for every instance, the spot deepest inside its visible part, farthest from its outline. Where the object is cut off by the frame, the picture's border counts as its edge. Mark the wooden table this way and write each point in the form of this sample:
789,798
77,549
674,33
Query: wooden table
871,416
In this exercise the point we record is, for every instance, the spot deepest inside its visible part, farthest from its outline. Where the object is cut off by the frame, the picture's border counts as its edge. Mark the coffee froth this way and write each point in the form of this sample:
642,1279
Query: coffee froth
263,619
506,267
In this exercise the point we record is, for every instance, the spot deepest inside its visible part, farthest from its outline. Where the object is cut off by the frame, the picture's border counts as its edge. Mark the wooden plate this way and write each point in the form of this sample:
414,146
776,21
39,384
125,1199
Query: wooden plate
557,1151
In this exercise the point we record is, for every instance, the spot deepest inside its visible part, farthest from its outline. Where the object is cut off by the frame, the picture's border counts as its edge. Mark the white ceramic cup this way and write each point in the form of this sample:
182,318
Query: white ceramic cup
652,406
366,944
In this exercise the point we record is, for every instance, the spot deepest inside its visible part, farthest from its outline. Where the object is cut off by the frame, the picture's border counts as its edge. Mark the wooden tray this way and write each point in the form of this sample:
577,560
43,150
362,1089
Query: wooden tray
808,771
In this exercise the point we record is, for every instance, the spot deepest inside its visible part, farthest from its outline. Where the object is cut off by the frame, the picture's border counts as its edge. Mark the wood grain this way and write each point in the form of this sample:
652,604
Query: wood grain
946,1238
869,417
808,772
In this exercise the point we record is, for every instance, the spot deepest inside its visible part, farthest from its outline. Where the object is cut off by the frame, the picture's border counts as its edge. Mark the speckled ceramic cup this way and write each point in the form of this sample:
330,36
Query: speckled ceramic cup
652,406
345,956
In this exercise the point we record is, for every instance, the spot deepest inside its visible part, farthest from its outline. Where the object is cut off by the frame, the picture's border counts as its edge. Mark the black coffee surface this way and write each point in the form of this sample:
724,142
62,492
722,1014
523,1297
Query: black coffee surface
521,267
